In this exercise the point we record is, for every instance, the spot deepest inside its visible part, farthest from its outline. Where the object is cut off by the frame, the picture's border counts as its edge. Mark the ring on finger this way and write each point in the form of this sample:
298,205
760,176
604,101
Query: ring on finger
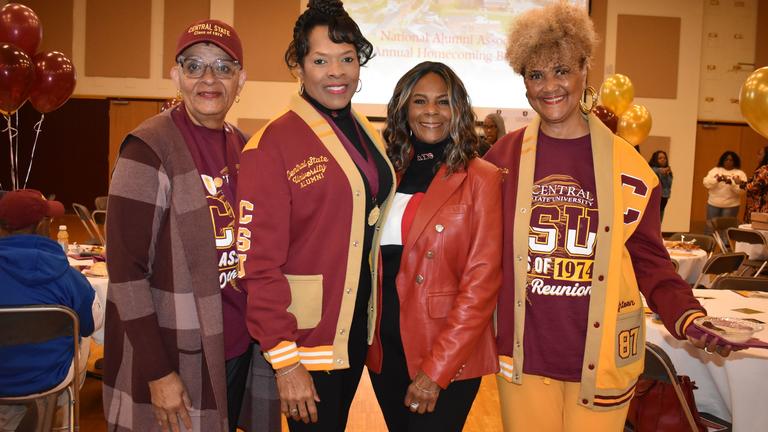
414,405
706,350
294,411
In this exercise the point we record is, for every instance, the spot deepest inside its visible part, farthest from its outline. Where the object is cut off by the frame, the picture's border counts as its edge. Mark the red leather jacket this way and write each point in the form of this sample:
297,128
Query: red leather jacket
450,276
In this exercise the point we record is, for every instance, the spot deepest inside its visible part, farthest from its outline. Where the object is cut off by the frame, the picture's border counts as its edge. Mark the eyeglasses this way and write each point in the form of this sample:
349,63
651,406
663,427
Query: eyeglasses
221,68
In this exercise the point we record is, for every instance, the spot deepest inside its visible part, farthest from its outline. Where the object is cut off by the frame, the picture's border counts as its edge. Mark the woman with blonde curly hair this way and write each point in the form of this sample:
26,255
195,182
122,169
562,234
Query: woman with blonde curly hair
581,242
441,256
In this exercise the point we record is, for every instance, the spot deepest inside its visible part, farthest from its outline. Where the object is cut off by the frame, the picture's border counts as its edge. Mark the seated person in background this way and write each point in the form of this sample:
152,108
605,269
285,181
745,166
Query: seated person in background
34,270
493,129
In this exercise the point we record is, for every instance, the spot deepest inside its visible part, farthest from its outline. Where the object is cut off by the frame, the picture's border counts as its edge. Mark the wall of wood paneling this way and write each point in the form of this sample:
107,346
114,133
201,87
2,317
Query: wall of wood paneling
650,47
266,29
117,38
177,17
711,141
70,158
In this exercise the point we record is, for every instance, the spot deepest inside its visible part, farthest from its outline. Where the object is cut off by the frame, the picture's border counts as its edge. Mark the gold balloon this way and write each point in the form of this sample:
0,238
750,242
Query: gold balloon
617,93
753,101
635,124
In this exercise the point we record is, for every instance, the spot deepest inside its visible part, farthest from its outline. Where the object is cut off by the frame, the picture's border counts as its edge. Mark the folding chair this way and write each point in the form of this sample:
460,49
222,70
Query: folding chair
741,283
719,226
719,265
20,325
90,225
754,238
100,213
705,241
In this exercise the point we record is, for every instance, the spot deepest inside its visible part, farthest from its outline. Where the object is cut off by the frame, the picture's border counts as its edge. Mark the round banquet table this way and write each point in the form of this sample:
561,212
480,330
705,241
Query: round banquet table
733,388
691,262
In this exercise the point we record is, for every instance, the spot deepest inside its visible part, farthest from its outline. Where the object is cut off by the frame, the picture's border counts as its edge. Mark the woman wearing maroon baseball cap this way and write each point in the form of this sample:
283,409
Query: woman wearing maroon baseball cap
176,349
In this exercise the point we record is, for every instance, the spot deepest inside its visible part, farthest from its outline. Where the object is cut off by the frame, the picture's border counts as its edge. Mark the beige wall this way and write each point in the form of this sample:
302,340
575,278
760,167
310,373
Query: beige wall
259,99
672,117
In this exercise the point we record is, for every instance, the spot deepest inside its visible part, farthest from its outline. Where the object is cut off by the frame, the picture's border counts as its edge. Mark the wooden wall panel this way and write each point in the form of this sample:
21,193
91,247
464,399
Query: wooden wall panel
599,14
761,47
124,116
56,18
71,155
266,29
647,51
179,14
711,141
117,38
653,143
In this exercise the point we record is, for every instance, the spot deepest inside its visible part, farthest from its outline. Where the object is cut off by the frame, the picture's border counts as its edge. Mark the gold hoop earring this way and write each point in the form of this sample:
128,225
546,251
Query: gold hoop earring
301,90
359,85
237,98
582,105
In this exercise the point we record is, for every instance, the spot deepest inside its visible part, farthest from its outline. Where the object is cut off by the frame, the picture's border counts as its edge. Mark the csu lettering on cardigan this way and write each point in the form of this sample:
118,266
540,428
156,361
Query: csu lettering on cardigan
639,188
243,234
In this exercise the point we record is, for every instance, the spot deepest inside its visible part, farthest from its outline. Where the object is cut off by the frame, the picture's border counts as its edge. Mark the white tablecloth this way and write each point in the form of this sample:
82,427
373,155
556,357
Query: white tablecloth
100,286
755,252
691,262
735,388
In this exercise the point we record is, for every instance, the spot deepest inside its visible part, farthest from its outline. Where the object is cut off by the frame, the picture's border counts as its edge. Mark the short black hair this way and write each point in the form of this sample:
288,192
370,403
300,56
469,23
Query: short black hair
733,155
341,29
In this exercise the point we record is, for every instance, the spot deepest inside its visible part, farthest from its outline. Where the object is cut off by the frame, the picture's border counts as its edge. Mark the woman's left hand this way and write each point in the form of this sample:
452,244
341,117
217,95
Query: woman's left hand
422,394
709,344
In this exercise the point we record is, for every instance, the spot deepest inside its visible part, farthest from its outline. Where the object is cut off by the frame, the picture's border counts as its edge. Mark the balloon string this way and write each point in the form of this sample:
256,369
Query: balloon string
11,134
16,151
37,128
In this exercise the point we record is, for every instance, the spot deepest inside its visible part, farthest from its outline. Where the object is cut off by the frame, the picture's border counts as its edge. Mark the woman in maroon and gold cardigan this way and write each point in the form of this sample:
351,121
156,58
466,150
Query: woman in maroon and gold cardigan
313,185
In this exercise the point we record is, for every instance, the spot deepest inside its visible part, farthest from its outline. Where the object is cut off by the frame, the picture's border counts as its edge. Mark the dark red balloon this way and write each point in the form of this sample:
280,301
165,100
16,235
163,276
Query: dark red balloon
607,116
54,81
16,75
20,26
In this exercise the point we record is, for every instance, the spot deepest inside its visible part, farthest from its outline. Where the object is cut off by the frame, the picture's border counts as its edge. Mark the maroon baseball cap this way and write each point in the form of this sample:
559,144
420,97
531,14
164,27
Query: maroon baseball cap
216,32
26,207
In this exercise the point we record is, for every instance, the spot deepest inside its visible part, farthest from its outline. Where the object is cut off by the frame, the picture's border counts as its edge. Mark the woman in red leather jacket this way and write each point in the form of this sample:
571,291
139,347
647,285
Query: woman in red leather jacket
441,255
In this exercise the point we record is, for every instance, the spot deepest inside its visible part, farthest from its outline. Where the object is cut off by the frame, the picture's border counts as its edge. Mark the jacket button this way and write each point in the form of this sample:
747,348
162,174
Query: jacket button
591,366
519,258
419,279
523,210
430,254
349,290
341,331
357,193
355,243
517,344
584,401
519,303
340,361
601,278
596,324
439,228
607,228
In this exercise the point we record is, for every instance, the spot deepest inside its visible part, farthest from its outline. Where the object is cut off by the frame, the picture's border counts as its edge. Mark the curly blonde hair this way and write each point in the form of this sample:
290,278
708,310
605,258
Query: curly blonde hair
557,32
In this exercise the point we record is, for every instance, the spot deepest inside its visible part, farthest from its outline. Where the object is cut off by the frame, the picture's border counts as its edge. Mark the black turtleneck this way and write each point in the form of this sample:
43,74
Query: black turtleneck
345,121
415,181
423,166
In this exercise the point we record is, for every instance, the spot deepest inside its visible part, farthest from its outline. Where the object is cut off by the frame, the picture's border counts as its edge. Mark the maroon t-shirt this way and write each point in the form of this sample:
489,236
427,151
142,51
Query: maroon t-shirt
216,153
561,252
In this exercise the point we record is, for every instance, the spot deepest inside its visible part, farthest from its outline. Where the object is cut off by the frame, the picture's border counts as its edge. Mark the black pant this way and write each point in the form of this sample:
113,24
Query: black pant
337,388
391,385
237,375
663,205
